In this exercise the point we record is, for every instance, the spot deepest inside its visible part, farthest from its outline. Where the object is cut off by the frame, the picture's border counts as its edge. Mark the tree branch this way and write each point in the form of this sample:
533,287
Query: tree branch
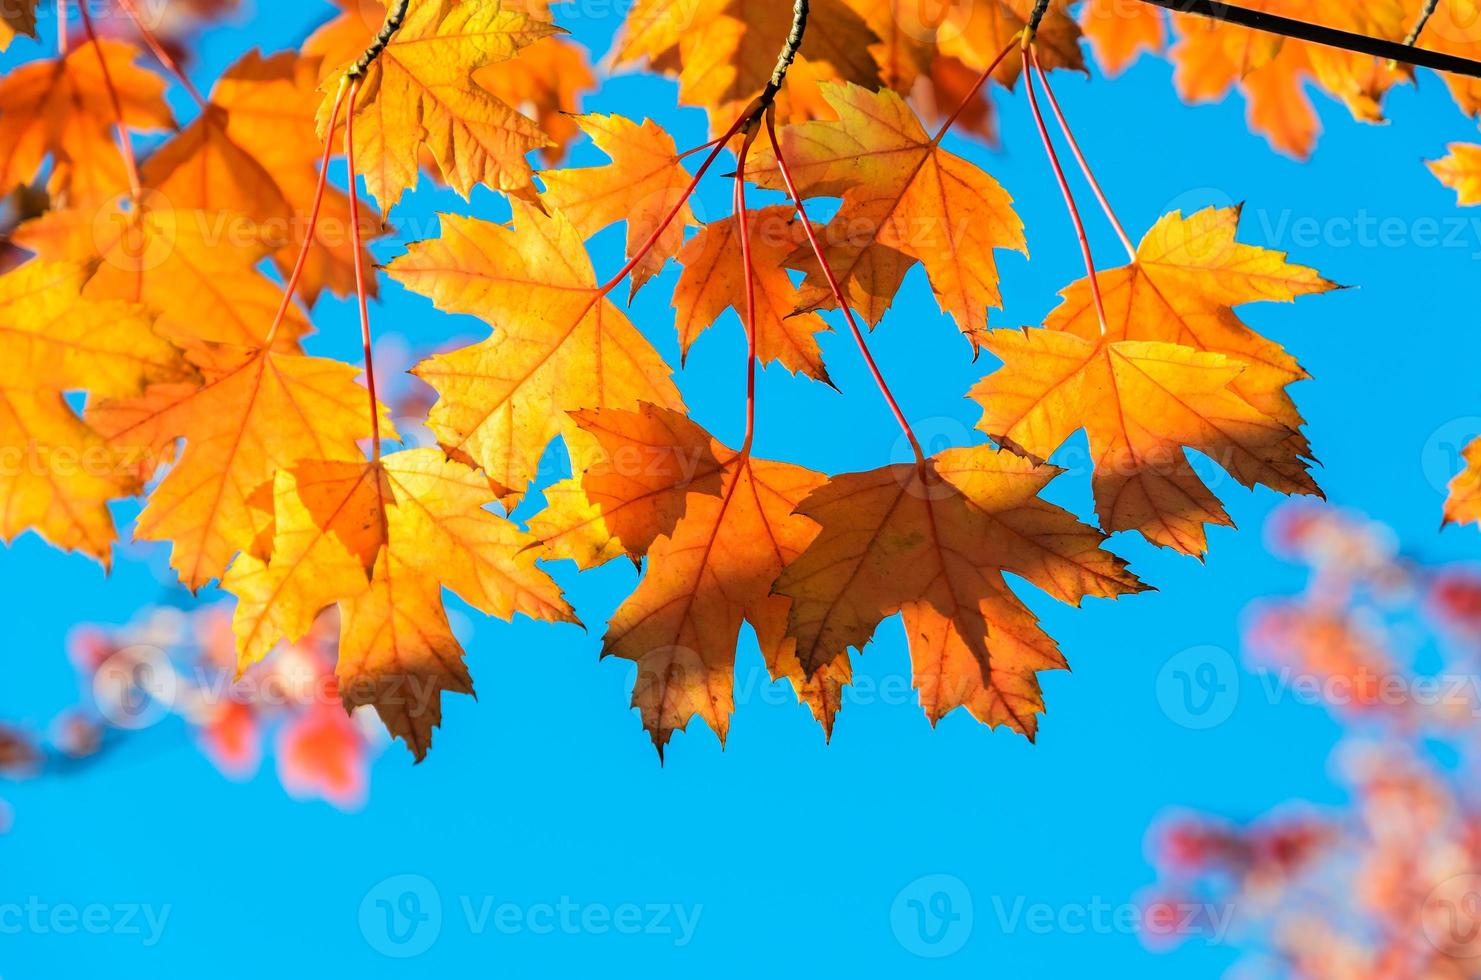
394,17
784,61
1329,36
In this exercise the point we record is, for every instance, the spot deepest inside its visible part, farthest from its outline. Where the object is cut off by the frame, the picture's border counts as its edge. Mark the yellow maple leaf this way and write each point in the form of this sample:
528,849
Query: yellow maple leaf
57,475
904,199
642,186
1188,275
1460,170
59,111
1140,403
934,539
558,345
382,539
420,93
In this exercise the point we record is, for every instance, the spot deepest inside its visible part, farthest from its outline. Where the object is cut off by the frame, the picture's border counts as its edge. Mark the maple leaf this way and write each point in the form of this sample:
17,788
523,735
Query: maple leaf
1463,504
544,81
1460,170
58,474
1119,32
382,539
1188,275
724,51
650,460
717,526
907,32
420,92
904,199
18,17
1140,403
977,32
713,280
172,261
559,344
934,539
643,185
253,152
255,412
1212,57
59,110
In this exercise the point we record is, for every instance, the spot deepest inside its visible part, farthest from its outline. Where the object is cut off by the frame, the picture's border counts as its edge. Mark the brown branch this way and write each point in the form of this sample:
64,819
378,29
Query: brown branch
394,17
1329,36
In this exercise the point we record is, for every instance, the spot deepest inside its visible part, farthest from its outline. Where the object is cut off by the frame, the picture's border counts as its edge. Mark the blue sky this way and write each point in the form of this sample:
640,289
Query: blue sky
542,824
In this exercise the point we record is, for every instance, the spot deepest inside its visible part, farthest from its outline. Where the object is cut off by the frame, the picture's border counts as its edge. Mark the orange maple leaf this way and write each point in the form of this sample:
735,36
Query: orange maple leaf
650,460
1120,30
1463,505
933,539
172,261
724,52
1140,403
977,32
59,110
382,539
1212,57
253,152
904,199
643,185
255,412
559,344
718,527
713,280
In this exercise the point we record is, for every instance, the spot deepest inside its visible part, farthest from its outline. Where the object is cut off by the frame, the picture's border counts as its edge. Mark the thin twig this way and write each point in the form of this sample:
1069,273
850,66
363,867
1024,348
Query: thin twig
394,18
